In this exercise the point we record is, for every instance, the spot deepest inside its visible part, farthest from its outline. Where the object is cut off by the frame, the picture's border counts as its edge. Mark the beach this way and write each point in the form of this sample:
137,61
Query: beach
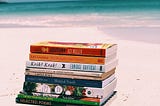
137,72
132,24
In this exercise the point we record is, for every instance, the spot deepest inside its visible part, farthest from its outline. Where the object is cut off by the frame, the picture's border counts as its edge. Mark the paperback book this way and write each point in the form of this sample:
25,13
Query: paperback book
33,101
75,75
70,48
71,59
39,89
72,66
68,72
70,81
88,101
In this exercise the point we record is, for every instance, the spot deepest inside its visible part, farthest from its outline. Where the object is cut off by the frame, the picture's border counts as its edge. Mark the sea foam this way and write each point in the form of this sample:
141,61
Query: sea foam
98,20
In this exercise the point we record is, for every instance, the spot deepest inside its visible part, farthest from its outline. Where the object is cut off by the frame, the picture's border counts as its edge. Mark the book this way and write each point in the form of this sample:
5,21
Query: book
34,101
70,48
72,66
69,74
71,59
73,73
69,100
39,89
70,81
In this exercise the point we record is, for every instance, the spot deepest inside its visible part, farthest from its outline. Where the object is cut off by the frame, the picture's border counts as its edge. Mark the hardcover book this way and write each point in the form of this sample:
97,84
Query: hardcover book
69,74
70,81
72,59
68,48
38,89
72,66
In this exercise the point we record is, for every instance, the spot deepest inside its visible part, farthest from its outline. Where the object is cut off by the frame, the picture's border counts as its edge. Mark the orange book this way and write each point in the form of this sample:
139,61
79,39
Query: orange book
70,58
68,48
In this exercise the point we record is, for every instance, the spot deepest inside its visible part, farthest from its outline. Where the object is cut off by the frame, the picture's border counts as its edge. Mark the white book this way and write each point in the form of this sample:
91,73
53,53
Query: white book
72,66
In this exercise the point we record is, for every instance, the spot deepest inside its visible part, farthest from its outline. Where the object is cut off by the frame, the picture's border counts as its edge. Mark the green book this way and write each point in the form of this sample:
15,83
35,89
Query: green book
53,101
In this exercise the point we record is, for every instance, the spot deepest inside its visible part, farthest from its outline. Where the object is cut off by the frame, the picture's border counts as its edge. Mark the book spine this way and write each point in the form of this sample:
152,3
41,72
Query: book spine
64,81
64,90
65,66
69,81
68,51
67,58
61,75
44,102
62,100
72,76
66,72
23,100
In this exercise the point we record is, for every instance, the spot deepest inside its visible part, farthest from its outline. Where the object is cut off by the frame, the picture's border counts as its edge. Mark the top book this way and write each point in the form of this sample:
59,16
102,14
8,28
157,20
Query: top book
70,48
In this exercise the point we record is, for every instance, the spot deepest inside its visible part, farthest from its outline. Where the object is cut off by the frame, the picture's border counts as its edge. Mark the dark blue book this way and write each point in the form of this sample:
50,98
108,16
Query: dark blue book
70,81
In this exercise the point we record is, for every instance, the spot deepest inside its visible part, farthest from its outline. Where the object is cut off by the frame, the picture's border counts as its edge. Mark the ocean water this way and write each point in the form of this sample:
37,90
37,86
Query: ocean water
108,13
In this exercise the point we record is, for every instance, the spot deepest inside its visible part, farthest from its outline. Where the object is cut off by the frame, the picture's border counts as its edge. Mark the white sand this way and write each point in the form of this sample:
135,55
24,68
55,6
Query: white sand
138,70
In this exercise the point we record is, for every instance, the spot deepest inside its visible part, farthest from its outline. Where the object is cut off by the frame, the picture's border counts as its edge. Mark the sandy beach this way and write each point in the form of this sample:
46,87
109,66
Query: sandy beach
137,73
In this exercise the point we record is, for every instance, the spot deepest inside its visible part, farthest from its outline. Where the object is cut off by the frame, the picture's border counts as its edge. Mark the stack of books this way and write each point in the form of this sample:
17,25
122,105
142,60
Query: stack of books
65,73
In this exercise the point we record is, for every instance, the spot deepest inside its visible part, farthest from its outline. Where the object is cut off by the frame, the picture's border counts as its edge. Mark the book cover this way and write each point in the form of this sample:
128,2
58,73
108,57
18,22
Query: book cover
72,66
39,89
70,48
69,74
71,59
70,81
33,101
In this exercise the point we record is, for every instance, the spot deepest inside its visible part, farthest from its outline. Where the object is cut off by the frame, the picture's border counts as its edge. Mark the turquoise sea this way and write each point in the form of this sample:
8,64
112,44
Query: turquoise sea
110,13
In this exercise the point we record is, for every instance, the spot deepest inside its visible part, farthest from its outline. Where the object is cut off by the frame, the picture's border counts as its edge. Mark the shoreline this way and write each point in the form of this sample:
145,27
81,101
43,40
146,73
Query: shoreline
109,20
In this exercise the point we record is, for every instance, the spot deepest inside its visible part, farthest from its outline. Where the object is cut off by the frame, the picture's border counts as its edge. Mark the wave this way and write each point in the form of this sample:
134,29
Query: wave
81,20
